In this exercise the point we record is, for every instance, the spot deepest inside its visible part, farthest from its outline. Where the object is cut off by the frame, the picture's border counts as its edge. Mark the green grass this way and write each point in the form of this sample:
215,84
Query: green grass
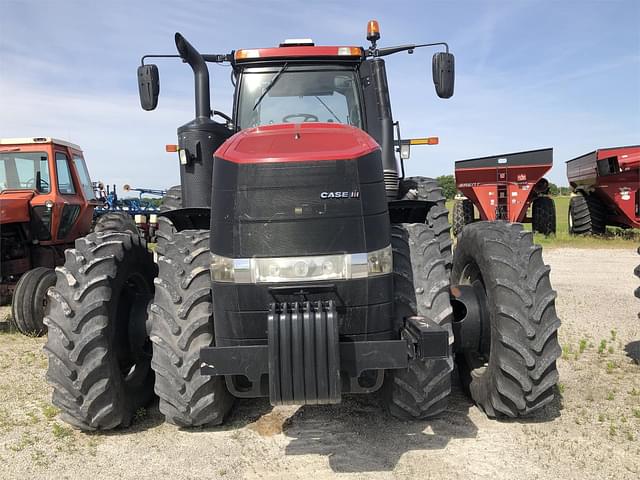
615,237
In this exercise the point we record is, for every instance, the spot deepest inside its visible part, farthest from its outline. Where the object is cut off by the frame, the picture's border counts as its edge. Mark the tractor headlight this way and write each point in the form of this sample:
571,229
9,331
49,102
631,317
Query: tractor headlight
295,269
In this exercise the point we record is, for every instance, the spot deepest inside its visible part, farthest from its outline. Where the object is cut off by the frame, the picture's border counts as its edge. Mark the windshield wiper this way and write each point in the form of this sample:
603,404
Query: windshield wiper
271,84
327,107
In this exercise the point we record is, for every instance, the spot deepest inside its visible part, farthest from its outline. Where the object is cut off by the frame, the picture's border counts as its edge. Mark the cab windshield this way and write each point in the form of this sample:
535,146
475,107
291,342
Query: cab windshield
287,94
24,171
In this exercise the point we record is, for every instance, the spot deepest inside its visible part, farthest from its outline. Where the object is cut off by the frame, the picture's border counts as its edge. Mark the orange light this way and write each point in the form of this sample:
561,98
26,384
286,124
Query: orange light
425,141
171,148
373,30
244,54
349,51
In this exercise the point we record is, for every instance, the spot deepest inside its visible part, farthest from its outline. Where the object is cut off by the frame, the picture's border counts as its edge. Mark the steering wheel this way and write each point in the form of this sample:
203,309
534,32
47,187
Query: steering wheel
308,117
31,183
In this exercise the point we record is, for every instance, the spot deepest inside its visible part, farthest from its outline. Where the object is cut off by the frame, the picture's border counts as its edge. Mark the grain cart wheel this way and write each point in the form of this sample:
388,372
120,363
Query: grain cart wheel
424,188
98,348
421,283
462,215
30,299
543,213
172,199
586,215
181,325
510,367
115,222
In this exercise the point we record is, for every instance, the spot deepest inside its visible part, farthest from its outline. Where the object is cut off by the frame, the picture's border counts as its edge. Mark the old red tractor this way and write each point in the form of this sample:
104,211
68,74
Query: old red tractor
46,203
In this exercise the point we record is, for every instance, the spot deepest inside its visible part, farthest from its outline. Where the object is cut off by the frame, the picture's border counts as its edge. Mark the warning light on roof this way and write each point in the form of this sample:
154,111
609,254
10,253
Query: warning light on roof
373,31
171,148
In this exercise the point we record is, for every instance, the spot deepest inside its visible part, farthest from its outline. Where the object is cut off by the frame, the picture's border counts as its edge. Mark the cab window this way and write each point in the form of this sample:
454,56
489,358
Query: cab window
65,182
24,170
85,180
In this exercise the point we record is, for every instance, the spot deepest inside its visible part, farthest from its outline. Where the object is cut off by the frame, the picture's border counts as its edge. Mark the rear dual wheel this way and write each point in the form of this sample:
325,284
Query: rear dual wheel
99,351
511,370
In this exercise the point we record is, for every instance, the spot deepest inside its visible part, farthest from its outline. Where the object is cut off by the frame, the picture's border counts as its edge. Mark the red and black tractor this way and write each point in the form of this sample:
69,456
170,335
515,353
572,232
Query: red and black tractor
503,187
606,190
298,264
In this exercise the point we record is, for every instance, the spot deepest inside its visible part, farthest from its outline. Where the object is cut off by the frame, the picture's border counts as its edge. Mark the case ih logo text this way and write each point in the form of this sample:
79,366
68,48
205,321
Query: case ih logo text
354,194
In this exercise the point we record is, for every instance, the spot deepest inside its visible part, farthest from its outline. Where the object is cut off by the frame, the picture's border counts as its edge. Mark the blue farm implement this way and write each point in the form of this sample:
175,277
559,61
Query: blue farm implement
143,212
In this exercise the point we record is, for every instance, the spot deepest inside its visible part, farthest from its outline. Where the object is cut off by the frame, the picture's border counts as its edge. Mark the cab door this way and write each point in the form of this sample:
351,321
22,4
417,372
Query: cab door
70,200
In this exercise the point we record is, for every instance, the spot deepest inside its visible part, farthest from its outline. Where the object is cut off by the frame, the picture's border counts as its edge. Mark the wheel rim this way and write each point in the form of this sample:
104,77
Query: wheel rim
130,341
478,359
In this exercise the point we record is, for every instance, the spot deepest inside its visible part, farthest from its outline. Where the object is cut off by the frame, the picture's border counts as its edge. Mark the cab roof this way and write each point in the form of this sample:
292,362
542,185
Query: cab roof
37,140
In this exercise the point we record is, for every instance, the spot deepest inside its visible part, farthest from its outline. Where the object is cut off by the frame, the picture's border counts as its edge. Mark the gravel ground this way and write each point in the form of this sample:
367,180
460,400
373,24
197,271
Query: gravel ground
592,431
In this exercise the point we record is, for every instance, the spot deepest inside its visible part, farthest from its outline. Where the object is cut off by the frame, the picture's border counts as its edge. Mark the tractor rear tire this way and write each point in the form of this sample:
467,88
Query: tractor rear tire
514,371
543,216
30,300
427,189
181,324
115,222
421,282
172,199
586,215
98,347
462,215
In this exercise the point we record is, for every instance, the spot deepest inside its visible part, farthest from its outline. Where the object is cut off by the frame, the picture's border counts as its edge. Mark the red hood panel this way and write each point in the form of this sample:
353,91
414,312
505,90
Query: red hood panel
14,206
297,142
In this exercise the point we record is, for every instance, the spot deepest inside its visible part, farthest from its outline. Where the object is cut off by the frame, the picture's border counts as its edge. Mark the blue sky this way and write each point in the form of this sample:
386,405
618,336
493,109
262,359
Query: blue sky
530,74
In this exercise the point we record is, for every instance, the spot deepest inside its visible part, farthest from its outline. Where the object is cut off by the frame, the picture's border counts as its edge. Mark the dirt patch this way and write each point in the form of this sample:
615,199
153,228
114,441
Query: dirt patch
272,423
591,431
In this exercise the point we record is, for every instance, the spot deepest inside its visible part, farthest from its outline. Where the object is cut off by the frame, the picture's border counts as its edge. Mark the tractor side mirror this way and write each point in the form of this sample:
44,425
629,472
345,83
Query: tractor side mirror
148,86
443,65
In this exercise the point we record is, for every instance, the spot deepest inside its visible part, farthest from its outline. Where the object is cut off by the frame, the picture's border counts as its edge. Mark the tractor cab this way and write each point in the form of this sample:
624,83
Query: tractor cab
45,186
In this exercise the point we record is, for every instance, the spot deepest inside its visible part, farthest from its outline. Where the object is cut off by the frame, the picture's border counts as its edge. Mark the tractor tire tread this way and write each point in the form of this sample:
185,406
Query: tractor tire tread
521,373
180,326
83,369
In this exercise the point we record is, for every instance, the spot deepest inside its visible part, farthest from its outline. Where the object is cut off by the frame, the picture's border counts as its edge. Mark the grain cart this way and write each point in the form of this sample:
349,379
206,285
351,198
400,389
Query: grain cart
503,187
299,265
606,190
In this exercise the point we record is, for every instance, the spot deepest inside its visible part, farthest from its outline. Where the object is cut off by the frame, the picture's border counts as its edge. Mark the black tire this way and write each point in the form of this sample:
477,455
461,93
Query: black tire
636,272
462,215
30,299
520,373
99,351
172,199
427,189
587,215
115,222
181,324
421,286
543,216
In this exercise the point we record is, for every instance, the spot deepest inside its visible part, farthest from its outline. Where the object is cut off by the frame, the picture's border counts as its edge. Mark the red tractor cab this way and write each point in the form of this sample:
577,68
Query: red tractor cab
502,187
606,190
46,202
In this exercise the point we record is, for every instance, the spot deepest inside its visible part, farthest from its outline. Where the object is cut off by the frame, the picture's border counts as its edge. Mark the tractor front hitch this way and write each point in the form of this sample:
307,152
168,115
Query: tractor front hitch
304,358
